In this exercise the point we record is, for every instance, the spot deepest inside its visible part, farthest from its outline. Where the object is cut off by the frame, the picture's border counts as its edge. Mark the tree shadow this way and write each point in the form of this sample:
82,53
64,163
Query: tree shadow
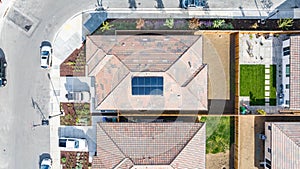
160,4
132,3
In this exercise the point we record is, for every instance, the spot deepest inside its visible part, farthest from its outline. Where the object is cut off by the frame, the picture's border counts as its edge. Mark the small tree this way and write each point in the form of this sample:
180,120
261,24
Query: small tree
194,23
140,23
218,23
169,23
106,26
285,23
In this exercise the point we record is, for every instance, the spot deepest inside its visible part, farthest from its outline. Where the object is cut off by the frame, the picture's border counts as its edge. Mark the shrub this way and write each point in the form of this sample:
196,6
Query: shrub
218,23
194,23
251,36
254,26
106,26
63,160
227,26
169,23
285,23
140,23
205,24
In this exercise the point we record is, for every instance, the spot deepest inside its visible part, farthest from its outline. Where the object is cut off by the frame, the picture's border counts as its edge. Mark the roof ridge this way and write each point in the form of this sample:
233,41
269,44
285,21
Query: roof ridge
93,42
188,141
109,93
113,143
123,161
188,48
196,72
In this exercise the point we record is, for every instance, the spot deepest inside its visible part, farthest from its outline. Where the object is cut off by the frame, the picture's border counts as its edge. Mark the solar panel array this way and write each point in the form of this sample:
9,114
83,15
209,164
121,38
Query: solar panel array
147,85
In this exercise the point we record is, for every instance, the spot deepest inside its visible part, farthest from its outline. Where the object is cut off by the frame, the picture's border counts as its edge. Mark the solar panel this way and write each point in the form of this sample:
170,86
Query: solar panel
147,85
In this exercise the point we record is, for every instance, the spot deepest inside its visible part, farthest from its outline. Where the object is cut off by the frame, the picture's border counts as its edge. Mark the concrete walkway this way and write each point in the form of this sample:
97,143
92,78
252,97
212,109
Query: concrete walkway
267,84
69,37
118,13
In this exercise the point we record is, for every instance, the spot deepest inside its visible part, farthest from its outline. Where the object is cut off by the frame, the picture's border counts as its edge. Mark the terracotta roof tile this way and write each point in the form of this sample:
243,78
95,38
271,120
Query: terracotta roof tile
151,143
175,58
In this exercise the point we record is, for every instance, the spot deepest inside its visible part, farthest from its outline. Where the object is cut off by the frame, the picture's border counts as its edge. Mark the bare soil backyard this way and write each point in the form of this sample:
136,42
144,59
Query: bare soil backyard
218,161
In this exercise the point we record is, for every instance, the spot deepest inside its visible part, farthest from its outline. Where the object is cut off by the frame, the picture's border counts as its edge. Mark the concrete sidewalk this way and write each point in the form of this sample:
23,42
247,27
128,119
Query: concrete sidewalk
69,37
118,13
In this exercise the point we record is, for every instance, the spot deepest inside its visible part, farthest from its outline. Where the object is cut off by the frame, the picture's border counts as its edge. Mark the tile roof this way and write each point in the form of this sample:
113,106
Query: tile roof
285,144
295,73
176,145
116,60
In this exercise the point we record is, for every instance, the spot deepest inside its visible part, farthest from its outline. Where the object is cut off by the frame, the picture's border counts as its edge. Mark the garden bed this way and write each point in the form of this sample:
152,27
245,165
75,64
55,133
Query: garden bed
76,114
74,65
76,160
110,26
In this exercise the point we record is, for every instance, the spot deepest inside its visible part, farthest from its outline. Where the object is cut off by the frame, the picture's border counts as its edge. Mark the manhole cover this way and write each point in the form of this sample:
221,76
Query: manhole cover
26,23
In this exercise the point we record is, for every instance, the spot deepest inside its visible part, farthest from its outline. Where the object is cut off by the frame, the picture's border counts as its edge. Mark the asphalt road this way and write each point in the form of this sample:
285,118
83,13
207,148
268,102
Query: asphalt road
26,98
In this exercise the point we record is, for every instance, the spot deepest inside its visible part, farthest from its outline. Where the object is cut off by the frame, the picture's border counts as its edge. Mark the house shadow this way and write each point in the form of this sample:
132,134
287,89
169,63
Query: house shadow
73,84
286,8
71,132
76,132
226,106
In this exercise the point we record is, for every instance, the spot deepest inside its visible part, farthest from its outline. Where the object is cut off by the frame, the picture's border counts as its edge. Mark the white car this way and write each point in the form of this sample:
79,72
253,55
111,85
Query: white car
73,144
46,54
46,163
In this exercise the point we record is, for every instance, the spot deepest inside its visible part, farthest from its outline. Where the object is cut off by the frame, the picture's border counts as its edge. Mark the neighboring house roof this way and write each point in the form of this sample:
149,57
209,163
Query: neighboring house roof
285,144
158,145
295,72
115,60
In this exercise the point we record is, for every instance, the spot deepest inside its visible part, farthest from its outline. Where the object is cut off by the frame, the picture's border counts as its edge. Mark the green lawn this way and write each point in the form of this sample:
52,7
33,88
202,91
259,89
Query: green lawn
273,85
252,83
219,133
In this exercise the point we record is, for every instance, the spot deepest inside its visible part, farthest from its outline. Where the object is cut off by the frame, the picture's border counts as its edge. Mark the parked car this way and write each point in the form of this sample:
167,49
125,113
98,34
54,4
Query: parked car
46,163
73,144
82,96
3,65
46,54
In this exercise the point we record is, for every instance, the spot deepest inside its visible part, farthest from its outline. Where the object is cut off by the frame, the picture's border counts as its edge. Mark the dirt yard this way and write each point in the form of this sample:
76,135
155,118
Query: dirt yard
247,142
217,161
216,53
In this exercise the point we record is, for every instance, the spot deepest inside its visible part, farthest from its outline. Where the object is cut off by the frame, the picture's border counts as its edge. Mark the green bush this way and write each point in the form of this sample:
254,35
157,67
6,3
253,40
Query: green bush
63,160
169,23
218,23
285,23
